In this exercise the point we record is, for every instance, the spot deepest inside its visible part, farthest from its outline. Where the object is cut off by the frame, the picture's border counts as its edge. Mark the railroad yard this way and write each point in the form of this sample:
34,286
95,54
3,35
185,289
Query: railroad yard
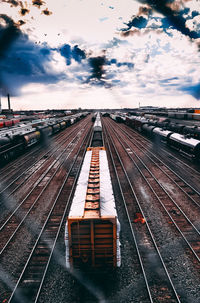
157,199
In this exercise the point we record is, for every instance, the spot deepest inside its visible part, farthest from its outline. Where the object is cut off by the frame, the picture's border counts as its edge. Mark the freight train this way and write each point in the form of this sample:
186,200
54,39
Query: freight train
8,123
92,228
187,141
14,142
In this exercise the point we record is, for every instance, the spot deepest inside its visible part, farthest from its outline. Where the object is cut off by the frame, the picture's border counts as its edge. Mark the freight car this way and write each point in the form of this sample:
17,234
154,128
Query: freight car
12,146
183,143
97,138
160,135
8,123
136,122
15,141
92,228
189,146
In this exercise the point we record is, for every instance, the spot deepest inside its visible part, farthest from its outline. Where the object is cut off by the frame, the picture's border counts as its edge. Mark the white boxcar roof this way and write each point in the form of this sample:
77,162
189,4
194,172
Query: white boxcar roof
107,201
78,203
97,124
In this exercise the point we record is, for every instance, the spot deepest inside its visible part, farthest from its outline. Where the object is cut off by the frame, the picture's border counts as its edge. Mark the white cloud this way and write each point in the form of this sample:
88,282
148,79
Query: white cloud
163,63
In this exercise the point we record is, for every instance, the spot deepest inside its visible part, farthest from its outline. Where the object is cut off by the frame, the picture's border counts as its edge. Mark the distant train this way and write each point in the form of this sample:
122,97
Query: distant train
8,123
92,228
161,130
16,141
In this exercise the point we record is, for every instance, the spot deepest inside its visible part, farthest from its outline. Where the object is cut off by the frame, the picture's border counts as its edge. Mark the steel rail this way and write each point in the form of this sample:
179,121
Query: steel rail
36,200
61,224
163,150
148,227
51,150
150,186
155,156
14,292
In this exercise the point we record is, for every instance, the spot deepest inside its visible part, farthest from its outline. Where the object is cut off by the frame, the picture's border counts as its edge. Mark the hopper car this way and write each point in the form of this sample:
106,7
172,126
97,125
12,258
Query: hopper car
92,228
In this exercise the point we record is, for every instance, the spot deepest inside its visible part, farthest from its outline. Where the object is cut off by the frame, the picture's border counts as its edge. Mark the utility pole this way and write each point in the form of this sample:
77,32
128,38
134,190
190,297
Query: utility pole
8,101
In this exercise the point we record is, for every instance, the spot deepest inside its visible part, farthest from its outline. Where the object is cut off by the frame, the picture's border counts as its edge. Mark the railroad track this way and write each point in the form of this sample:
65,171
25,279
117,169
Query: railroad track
52,216
30,202
142,236
148,189
11,173
170,157
30,281
155,177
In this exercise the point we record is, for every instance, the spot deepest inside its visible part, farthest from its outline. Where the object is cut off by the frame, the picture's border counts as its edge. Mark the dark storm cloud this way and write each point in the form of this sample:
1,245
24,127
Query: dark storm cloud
21,61
24,11
173,18
38,3
130,65
193,90
102,75
46,12
72,53
8,34
12,2
139,22
97,65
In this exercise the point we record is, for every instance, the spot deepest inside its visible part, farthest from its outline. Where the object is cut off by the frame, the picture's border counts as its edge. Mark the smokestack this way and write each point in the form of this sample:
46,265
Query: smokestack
8,101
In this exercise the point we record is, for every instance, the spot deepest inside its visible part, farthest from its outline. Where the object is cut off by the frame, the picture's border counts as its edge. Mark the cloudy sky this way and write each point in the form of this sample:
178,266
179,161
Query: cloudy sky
99,53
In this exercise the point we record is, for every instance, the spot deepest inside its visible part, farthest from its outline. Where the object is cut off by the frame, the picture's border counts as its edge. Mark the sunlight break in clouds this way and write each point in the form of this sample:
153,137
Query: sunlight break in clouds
90,53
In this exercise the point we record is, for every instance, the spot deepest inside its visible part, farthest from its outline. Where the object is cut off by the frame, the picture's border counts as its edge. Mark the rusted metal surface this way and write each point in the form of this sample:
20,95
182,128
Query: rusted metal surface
92,239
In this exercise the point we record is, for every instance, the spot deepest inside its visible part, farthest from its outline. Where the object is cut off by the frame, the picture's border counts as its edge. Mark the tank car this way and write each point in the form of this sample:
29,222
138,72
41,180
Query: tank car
62,125
189,129
139,122
148,129
56,127
31,138
113,117
67,121
1,124
197,133
160,134
130,121
189,146
176,127
119,119
10,147
8,123
45,132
